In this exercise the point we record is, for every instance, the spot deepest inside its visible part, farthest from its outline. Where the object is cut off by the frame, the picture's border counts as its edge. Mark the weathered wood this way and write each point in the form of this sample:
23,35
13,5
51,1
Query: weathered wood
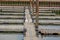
37,11
30,33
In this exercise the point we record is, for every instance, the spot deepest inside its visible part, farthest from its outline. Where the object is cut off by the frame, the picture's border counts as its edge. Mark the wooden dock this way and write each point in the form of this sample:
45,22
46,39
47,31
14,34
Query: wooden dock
30,34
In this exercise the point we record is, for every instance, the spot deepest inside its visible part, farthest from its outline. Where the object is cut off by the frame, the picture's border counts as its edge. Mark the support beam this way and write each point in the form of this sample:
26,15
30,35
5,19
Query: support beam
37,11
32,6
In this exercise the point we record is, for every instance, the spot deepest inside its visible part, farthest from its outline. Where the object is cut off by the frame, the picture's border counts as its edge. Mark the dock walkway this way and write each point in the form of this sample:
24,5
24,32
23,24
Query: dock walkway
30,34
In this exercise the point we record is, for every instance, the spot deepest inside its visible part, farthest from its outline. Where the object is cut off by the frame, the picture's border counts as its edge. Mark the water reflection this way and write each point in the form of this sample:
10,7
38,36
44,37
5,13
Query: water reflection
17,36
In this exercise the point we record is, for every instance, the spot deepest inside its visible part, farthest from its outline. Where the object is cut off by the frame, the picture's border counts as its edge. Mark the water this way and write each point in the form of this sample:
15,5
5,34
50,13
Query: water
49,37
6,36
49,26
